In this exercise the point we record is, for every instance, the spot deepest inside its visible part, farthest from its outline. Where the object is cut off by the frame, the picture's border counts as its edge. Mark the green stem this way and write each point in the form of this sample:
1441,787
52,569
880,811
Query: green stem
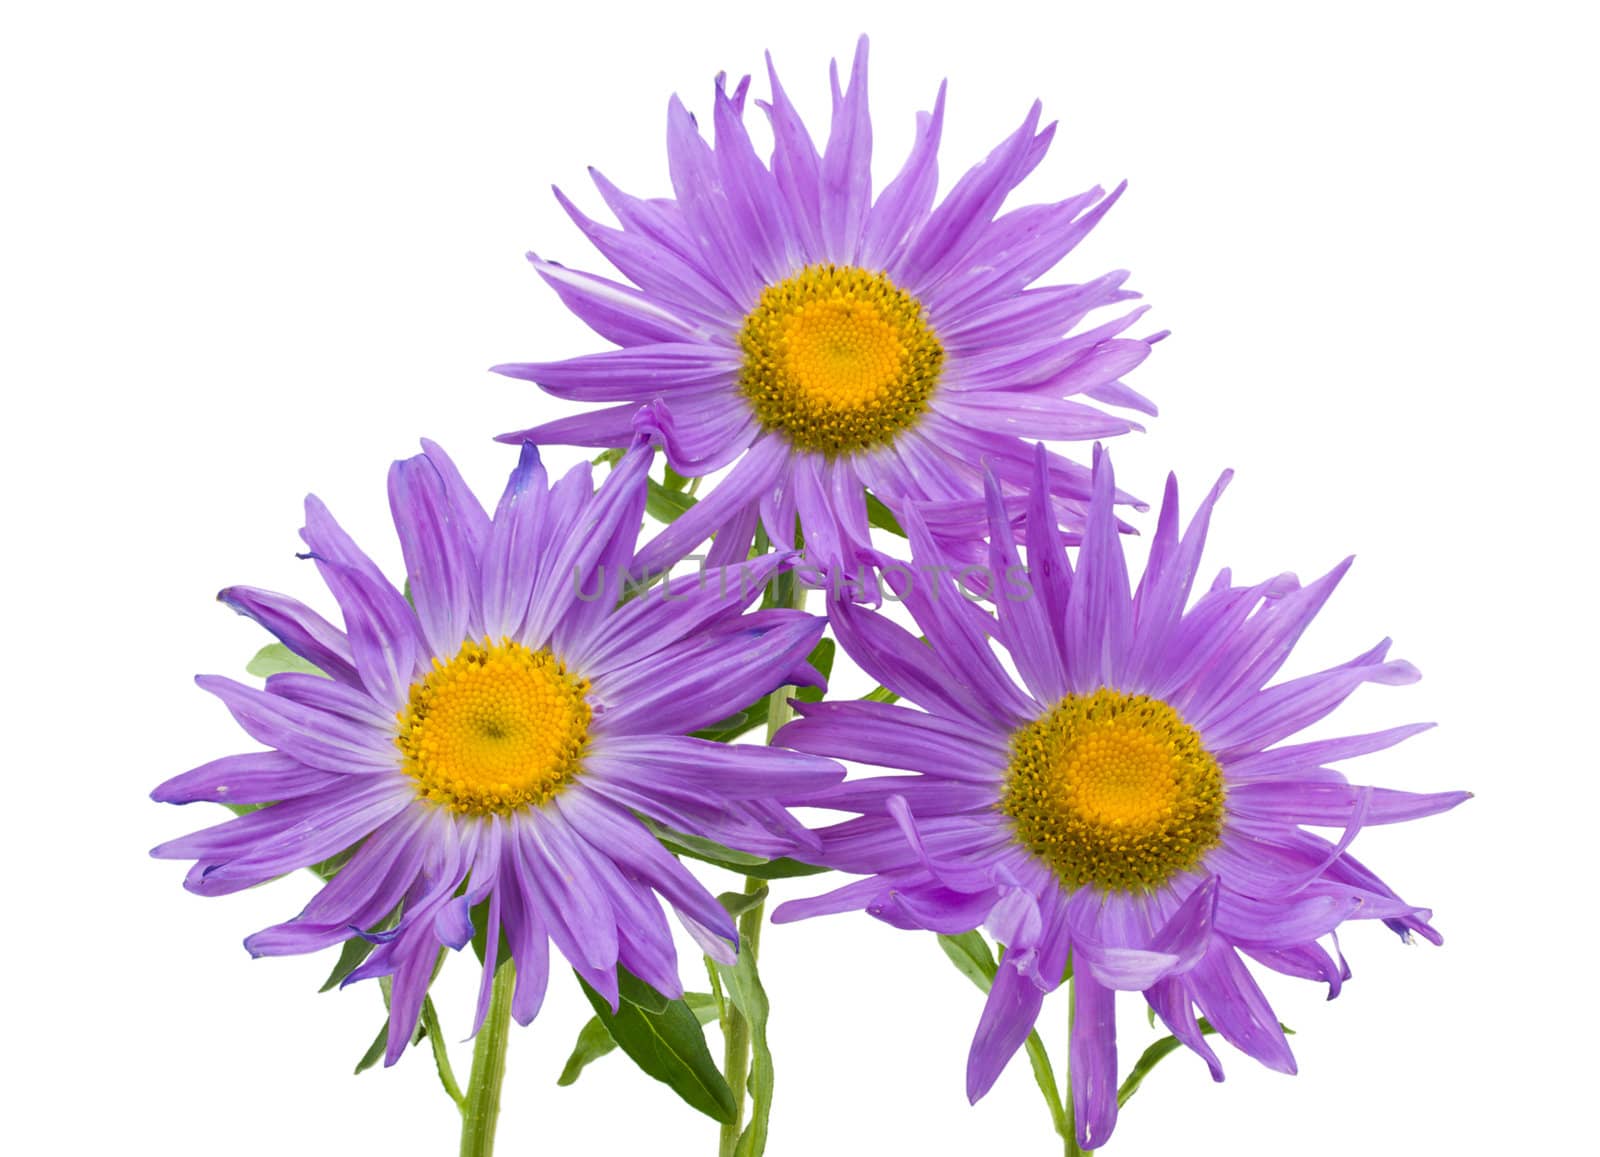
784,591
736,1031
481,1111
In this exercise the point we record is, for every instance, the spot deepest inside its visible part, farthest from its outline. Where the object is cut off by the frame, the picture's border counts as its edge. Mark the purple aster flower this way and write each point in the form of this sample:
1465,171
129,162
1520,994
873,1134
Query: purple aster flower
822,340
497,740
1129,807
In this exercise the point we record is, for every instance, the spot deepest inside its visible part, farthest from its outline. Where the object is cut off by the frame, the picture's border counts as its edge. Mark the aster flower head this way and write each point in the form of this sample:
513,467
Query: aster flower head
494,740
1129,810
823,340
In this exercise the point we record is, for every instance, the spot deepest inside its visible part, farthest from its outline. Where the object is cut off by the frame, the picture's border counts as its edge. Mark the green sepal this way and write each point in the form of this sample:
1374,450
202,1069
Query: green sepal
275,659
669,1046
671,479
881,694
595,1042
882,517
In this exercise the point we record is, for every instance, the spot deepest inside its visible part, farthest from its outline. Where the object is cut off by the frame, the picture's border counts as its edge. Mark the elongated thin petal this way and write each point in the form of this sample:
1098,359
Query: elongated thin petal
1008,1017
297,627
1092,1061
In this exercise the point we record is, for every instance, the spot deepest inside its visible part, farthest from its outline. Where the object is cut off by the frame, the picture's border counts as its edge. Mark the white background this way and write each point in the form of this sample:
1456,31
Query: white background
255,250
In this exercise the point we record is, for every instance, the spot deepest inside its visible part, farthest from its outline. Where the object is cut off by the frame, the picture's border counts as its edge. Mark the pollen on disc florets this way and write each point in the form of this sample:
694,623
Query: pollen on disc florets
839,359
497,728
1113,791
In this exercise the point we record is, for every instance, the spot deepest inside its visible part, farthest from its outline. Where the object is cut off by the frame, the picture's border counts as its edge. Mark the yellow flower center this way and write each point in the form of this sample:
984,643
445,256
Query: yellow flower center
838,359
497,728
1114,791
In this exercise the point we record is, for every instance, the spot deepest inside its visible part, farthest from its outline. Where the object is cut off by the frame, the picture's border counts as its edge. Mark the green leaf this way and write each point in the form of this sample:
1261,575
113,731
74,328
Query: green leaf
821,658
881,695
783,868
609,457
665,505
636,992
355,950
699,848
1150,1058
671,479
729,729
374,1051
738,903
970,953
329,868
595,1042
669,1046
882,517
441,1054
275,658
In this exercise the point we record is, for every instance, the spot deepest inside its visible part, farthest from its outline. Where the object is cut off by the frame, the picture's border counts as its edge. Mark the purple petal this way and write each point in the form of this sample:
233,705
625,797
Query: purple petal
297,627
905,202
846,177
750,477
307,734
256,777
626,841
1092,1061
730,771
1234,1004
680,607
439,558
634,374
796,168
619,313
1334,804
699,681
892,736
1025,626
1008,1016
